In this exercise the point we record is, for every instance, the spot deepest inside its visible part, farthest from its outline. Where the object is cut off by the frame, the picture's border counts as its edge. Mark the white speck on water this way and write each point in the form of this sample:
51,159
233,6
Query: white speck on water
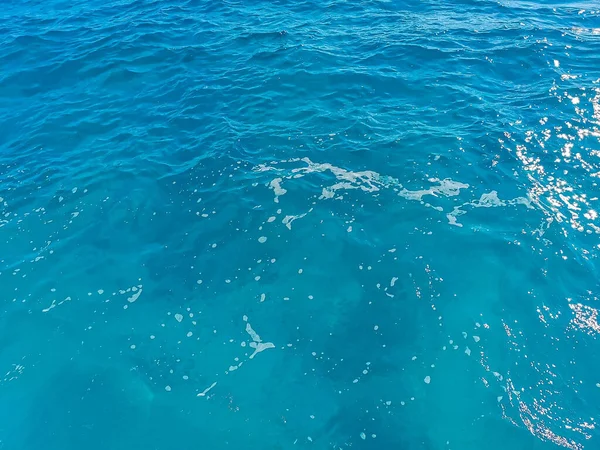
168,388
262,239
388,402
262,297
355,380
376,327
556,63
468,351
363,436
414,358
349,230
499,399
427,379
464,334
476,338
100,291
199,281
132,346
178,317
152,336
189,334
393,282
310,297
271,219
311,416
214,246
300,271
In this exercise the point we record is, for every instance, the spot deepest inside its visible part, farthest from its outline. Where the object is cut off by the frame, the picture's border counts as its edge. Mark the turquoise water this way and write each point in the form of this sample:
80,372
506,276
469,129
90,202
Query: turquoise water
296,225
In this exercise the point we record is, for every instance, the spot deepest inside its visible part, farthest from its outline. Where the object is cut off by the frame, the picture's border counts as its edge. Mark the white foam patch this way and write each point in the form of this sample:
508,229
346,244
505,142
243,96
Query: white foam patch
54,304
427,379
487,200
445,187
259,347
287,220
256,343
277,189
262,239
205,391
255,337
135,296
370,181
178,317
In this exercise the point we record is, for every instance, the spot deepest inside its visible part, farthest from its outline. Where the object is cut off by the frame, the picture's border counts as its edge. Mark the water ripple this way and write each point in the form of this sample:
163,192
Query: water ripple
400,197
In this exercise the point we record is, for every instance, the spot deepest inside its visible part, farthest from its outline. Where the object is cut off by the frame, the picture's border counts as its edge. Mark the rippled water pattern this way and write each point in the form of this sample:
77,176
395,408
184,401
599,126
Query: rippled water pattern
299,225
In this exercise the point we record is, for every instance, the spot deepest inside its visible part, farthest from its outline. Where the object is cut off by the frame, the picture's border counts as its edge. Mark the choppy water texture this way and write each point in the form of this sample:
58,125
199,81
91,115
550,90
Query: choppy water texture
277,225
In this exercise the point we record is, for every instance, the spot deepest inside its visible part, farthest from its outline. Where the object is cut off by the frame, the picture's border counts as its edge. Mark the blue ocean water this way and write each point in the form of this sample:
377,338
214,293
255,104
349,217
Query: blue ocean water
296,225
